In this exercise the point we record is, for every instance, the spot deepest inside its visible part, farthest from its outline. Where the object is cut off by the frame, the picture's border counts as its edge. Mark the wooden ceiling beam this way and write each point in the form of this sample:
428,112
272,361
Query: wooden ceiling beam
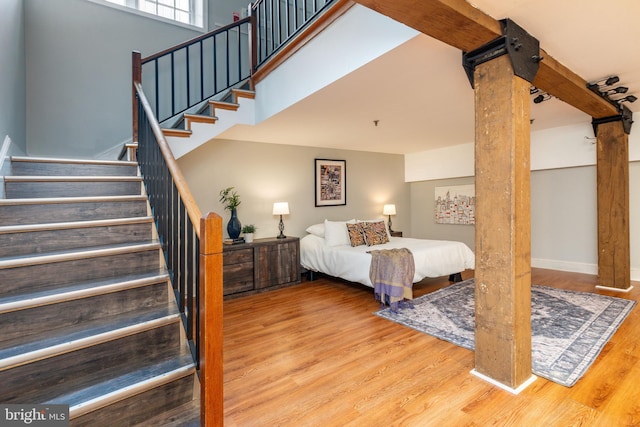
454,22
463,26
559,81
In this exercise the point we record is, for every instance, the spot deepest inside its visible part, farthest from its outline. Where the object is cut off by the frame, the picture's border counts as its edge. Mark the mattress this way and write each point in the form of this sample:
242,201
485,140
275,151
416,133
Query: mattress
433,258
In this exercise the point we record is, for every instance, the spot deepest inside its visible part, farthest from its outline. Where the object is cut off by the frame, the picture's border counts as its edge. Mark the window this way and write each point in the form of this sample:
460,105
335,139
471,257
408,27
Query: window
189,12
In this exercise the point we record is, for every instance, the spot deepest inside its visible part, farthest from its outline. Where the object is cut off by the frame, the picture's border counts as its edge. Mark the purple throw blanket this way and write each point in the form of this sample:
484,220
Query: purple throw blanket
391,273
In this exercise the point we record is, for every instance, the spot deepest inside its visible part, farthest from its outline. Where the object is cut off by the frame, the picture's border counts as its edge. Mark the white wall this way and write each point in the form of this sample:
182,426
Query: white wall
563,196
266,173
356,38
12,74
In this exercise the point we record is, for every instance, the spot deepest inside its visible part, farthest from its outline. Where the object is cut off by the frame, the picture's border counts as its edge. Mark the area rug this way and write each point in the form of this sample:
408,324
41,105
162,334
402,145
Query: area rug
569,328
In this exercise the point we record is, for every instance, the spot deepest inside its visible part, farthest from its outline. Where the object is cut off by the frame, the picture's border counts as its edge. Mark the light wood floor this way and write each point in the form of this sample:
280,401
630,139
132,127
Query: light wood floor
315,355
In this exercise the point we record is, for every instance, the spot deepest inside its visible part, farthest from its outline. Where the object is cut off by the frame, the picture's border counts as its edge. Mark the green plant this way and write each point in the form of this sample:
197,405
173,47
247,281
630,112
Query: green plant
229,198
249,228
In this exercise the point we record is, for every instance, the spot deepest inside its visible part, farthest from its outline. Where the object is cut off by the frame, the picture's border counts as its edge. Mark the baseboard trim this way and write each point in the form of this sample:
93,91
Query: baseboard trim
575,267
572,266
112,153
517,390
609,288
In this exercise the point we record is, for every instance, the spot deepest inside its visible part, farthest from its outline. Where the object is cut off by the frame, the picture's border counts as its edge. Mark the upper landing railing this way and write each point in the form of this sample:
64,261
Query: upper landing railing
184,76
277,22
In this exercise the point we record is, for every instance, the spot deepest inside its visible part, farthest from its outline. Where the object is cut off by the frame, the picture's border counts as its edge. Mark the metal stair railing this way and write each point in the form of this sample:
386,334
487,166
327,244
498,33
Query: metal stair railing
184,75
192,247
277,22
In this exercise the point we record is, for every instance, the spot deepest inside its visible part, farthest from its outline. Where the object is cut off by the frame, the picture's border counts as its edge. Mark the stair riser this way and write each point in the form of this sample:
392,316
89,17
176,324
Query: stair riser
25,243
71,169
42,189
54,275
45,379
141,407
19,326
23,214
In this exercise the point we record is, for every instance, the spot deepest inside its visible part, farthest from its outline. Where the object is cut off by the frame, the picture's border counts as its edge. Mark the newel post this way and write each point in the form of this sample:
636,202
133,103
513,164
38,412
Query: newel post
136,77
211,334
253,39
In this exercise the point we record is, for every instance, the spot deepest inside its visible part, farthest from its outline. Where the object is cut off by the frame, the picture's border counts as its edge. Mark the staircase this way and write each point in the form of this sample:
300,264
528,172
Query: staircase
212,118
87,312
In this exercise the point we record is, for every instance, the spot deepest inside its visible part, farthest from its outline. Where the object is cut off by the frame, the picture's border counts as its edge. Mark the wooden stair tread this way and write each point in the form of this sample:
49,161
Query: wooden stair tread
73,161
29,166
223,105
67,200
244,93
75,254
25,228
200,118
115,389
81,290
181,133
71,178
52,343
34,210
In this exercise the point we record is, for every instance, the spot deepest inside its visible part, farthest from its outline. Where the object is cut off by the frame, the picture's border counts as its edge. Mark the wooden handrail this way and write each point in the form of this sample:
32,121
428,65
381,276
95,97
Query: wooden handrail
196,39
180,182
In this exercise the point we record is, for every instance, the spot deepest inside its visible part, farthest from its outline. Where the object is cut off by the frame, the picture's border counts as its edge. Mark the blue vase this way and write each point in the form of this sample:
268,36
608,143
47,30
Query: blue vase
234,227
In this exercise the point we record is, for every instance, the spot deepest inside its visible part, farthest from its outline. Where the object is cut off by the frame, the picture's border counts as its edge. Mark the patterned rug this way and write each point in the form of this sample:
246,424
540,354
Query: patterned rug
569,328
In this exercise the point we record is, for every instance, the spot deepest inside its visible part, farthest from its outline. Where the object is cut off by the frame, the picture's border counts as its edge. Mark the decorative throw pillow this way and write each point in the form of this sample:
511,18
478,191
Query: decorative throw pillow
375,233
377,220
356,234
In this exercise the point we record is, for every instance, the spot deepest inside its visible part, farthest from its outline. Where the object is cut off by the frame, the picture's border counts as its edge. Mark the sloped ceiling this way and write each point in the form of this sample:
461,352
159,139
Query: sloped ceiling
420,96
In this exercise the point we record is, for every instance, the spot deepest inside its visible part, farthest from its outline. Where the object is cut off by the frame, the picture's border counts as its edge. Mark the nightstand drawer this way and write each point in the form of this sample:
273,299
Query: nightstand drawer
237,270
241,256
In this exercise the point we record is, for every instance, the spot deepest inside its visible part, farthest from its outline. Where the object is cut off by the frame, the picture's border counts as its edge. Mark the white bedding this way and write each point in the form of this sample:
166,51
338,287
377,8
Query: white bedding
433,258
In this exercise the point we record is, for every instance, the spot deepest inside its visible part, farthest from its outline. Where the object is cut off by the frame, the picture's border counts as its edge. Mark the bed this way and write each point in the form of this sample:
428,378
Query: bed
329,249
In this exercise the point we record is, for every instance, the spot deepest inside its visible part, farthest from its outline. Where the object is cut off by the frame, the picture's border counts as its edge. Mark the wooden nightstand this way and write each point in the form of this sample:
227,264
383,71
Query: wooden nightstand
261,265
396,233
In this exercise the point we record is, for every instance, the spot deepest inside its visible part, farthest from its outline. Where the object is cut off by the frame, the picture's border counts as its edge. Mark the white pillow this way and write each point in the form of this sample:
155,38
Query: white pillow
316,230
336,233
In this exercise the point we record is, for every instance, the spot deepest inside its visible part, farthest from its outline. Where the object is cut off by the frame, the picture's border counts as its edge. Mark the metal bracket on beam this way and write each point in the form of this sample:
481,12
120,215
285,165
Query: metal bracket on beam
625,116
522,48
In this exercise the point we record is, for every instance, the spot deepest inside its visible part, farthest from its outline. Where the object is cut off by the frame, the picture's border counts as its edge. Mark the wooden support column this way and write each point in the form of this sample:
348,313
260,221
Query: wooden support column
503,226
614,259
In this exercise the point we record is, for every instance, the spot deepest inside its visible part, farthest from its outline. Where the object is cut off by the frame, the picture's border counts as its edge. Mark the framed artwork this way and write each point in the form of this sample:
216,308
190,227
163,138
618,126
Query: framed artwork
331,182
455,204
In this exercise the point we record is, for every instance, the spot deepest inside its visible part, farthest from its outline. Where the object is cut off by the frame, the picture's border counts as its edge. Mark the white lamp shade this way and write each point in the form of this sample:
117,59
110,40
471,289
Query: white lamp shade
389,210
281,208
